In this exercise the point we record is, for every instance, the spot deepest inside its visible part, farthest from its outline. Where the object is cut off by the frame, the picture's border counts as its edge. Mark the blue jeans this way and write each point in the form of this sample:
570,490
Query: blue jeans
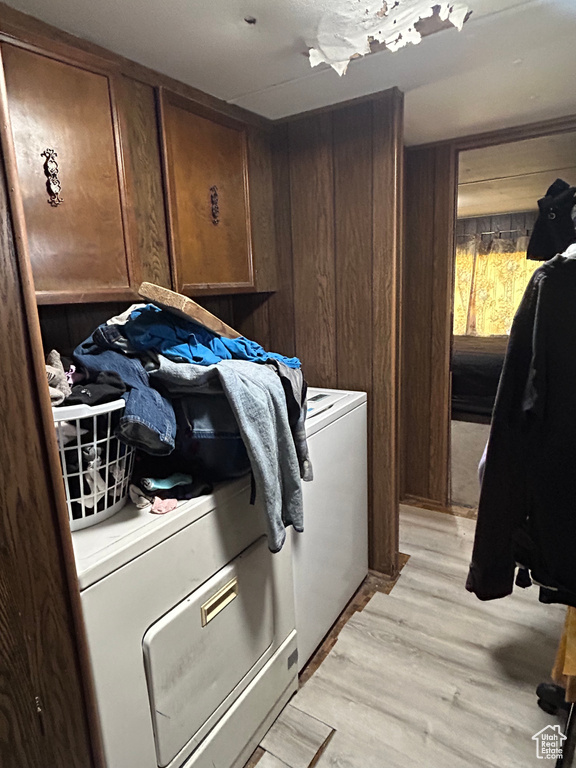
148,421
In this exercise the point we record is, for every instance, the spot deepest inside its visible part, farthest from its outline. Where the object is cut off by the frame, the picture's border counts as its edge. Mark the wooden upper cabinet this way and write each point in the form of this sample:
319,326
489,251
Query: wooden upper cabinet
78,247
206,168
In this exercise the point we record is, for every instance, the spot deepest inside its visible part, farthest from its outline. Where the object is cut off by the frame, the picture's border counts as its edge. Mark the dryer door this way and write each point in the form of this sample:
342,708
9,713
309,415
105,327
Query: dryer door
207,645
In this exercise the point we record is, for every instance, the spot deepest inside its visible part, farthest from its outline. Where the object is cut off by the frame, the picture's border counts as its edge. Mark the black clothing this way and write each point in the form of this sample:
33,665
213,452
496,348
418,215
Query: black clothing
552,596
554,228
104,387
527,509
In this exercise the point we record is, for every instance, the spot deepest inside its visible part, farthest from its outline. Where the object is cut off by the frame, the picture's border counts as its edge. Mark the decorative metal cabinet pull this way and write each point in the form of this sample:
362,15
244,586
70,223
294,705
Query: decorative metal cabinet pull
52,181
215,205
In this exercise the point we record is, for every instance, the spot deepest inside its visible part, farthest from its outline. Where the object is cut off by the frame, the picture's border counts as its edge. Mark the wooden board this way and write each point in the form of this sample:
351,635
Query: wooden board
186,308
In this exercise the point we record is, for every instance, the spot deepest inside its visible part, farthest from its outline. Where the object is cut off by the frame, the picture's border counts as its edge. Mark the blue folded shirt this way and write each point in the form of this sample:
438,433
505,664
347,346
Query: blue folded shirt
154,329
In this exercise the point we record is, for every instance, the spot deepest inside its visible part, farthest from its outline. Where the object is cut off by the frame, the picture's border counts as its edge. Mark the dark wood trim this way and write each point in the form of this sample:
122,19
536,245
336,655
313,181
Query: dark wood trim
67,55
168,189
441,326
210,289
79,664
261,210
26,29
189,105
132,263
387,197
431,211
428,295
87,297
138,113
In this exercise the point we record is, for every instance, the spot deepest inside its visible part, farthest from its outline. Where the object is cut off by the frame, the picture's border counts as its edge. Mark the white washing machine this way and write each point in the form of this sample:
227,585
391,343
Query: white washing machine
330,558
191,631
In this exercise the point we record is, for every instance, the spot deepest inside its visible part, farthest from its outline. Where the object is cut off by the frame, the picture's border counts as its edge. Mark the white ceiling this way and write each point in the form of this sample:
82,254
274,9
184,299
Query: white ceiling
507,178
513,62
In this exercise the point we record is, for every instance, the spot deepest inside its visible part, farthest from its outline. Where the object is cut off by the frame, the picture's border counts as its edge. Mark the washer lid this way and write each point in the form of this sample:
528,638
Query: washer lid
327,405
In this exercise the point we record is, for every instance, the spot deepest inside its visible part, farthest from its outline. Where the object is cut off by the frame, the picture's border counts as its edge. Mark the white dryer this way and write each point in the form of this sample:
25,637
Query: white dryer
330,558
191,631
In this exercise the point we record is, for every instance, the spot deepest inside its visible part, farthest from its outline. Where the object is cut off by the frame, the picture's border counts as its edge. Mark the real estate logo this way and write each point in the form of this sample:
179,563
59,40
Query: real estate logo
549,742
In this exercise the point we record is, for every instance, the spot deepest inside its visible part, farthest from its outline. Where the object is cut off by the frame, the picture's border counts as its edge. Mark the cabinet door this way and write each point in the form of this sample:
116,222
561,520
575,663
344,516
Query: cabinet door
77,246
207,181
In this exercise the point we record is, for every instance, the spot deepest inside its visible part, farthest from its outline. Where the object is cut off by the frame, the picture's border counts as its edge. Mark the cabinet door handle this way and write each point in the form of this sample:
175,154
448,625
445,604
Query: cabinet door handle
215,205
53,184
212,607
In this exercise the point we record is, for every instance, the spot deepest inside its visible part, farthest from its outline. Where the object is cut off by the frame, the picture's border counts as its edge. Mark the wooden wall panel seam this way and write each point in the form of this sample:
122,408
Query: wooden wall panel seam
336,273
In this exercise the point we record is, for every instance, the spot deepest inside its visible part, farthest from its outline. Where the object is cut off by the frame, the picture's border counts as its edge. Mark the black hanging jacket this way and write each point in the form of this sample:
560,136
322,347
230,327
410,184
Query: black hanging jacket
527,509
554,228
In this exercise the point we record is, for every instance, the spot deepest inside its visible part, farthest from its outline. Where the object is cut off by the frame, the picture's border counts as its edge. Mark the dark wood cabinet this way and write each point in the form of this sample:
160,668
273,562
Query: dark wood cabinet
124,181
77,233
206,172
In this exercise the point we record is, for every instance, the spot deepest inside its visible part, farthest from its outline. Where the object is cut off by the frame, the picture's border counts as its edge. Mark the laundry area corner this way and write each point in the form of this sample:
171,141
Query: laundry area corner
287,415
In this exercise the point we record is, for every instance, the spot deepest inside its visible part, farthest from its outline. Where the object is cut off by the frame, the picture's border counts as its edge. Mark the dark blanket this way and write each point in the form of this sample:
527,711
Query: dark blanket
476,367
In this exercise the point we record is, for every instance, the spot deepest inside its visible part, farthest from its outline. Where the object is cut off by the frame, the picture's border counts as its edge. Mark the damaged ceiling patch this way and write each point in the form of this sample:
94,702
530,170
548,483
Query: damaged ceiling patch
351,27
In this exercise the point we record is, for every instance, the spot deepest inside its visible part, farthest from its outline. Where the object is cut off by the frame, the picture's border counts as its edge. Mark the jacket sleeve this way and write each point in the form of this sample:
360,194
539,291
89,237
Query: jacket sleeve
503,505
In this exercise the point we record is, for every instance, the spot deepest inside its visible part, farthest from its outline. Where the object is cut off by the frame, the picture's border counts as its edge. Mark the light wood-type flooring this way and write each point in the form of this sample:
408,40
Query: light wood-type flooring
426,676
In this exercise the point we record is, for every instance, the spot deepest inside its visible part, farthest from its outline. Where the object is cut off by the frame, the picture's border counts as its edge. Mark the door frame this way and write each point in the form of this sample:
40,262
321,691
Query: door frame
428,277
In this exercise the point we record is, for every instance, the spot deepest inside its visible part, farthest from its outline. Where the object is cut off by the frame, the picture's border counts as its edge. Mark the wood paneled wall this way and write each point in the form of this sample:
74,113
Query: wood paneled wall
338,194
43,717
511,225
430,200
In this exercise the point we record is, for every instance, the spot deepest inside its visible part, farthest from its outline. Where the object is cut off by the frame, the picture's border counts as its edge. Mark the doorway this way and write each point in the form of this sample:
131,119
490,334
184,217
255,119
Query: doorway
519,172
497,206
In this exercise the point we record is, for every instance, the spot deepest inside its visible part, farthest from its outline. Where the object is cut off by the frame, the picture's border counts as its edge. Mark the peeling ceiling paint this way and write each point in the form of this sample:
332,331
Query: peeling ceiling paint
349,28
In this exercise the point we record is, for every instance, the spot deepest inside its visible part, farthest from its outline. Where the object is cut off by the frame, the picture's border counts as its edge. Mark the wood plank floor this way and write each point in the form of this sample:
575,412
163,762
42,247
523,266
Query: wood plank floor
428,676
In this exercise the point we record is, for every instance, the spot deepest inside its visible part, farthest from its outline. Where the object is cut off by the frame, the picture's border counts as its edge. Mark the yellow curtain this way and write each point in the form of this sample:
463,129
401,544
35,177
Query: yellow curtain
490,280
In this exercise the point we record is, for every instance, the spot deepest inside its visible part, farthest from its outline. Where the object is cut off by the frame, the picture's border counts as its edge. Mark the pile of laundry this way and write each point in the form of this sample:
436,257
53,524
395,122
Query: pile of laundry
200,408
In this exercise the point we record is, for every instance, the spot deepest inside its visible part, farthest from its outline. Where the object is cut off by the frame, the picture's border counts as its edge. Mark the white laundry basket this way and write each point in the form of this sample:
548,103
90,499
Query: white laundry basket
96,466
